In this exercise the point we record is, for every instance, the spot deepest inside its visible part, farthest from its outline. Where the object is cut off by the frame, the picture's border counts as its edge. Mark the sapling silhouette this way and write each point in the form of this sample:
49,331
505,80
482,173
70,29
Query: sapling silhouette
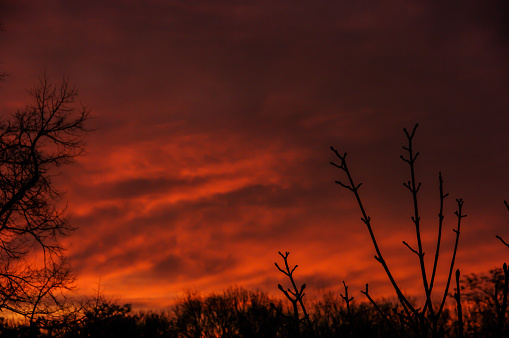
347,302
423,320
295,296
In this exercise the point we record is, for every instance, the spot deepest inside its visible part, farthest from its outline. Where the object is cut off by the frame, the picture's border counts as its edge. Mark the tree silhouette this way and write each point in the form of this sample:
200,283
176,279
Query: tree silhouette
485,297
237,312
34,142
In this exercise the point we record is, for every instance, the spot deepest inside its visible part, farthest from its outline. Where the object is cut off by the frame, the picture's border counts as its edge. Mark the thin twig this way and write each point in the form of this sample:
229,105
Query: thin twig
440,223
367,221
460,216
457,297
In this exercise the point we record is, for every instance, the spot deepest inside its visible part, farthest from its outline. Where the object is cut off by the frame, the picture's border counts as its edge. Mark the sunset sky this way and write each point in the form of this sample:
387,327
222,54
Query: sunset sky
213,122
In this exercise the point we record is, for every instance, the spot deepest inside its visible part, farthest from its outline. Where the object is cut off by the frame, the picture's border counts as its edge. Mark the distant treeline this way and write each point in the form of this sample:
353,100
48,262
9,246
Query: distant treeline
238,312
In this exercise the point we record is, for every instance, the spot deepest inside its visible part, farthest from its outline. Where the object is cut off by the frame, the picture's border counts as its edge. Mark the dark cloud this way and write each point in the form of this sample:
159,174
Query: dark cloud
138,187
194,266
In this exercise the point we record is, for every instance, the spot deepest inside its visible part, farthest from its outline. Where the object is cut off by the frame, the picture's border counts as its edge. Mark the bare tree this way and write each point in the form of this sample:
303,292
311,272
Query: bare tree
426,319
34,142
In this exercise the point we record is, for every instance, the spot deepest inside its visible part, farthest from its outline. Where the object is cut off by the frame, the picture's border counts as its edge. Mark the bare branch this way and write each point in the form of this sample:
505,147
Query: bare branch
460,216
408,246
500,238
440,224
413,186
367,221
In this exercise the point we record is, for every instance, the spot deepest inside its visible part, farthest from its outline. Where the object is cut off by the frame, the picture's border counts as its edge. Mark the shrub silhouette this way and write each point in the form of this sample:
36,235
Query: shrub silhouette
426,319
238,312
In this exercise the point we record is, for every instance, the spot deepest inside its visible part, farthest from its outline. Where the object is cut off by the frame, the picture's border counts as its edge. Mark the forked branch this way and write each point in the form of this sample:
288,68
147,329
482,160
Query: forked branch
294,295
347,301
367,221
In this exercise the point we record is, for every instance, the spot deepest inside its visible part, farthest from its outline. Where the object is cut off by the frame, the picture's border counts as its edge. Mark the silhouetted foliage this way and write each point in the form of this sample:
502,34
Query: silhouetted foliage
484,299
237,312
95,317
234,313
333,318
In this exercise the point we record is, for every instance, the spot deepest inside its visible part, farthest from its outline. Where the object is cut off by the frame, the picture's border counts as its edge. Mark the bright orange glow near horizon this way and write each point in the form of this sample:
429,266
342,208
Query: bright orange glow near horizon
212,126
